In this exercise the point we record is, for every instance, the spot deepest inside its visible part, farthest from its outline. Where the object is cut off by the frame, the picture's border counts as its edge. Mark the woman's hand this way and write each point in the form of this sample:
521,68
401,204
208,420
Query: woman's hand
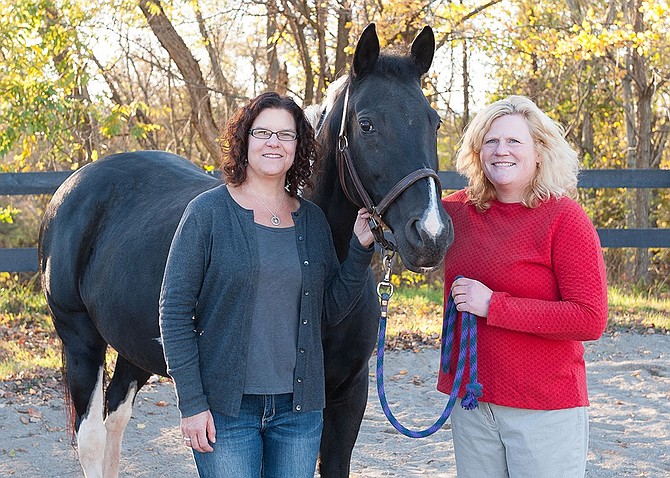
198,431
362,228
471,296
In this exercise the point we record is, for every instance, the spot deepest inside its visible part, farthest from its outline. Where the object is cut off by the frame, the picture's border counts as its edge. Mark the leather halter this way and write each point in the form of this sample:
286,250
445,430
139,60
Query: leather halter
345,163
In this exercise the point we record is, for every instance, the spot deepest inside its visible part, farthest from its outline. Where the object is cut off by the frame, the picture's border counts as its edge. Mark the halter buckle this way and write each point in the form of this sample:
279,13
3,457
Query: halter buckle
374,221
389,290
342,143
385,283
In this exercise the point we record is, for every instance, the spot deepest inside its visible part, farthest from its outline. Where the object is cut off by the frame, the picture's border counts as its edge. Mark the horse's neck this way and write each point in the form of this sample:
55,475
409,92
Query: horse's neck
340,213
327,192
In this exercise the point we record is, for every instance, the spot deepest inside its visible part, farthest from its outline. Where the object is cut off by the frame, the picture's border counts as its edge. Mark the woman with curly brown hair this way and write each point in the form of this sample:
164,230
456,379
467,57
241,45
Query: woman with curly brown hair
251,274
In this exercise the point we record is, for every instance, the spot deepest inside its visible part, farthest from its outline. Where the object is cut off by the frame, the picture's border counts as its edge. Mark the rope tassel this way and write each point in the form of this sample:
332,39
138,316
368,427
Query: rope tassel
473,392
467,351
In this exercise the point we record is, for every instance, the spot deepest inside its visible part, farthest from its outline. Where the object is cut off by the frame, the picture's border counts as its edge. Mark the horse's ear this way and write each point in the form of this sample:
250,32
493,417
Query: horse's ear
367,52
423,49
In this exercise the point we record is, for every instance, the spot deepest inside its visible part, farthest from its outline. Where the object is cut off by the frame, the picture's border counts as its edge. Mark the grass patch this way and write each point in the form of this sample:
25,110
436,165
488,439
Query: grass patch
30,349
638,311
27,361
415,314
414,320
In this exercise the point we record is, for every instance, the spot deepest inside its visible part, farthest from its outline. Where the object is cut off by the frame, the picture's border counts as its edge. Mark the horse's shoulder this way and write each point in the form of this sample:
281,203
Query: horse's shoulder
213,195
209,203
311,208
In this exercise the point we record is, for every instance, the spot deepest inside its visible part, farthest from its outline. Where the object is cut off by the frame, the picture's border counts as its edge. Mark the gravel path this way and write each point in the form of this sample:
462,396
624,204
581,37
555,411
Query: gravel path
629,383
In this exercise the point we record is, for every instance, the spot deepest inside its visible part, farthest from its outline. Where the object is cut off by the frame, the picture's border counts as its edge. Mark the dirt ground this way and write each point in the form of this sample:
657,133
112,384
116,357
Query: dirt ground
629,384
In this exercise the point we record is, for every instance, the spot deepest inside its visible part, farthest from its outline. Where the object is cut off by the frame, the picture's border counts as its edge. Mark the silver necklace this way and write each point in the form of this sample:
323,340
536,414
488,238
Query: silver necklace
274,216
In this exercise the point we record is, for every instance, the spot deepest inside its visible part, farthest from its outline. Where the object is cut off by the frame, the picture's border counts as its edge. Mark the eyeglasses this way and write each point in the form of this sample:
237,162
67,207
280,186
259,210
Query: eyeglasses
262,133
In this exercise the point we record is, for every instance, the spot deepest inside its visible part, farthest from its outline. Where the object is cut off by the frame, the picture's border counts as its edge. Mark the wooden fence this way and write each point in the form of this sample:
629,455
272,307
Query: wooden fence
25,259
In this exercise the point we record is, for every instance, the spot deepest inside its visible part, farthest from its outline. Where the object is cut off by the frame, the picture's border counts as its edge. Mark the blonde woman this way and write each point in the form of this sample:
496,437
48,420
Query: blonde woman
533,273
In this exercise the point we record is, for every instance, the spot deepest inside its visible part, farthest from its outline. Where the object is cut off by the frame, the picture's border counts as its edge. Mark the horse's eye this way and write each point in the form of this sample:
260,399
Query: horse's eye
366,125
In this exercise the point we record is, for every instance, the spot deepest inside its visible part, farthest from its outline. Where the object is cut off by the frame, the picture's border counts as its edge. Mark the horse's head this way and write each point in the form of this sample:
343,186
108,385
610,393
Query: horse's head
391,132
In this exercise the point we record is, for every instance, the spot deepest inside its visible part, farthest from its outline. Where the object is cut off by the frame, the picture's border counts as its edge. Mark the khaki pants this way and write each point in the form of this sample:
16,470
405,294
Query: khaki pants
501,442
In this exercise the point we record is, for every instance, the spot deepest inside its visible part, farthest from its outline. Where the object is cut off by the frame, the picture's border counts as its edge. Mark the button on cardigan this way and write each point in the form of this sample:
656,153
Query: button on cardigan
208,291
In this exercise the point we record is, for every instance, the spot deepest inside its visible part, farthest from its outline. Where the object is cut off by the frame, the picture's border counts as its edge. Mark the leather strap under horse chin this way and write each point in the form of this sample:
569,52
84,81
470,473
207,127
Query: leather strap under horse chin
344,161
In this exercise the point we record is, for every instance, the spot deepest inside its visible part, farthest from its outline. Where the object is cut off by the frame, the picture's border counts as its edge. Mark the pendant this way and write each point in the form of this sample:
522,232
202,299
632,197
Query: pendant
275,220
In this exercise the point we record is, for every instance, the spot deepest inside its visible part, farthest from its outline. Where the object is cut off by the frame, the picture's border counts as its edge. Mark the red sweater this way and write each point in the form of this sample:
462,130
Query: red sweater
547,273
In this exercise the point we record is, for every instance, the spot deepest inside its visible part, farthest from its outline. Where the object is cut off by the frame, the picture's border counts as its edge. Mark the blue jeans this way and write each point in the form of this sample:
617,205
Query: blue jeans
266,439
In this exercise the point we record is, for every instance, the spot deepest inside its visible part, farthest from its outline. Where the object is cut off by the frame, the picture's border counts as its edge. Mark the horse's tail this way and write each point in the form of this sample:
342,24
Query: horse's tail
70,412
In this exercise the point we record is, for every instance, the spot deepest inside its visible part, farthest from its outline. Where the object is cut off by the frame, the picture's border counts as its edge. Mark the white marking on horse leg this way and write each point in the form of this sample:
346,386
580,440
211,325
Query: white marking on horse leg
91,435
115,423
430,222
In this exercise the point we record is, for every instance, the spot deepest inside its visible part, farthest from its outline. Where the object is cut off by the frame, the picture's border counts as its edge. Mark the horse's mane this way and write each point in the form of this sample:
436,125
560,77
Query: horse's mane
393,64
390,64
318,113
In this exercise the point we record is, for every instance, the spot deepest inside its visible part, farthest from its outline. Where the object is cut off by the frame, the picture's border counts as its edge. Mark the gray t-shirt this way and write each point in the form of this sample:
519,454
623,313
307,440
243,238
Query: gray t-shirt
274,325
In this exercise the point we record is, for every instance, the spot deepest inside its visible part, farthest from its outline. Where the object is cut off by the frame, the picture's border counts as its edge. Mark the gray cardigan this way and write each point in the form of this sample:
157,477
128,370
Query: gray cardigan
208,292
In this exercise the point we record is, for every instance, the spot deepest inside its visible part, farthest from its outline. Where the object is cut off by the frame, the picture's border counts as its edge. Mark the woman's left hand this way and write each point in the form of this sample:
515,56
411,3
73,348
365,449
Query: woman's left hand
471,296
362,228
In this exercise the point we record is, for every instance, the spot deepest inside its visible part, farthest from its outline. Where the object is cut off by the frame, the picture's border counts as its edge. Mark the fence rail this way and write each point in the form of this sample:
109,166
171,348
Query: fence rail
25,259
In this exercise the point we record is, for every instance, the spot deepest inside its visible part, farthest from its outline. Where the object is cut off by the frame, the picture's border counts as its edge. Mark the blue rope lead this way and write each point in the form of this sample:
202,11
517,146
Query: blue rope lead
468,346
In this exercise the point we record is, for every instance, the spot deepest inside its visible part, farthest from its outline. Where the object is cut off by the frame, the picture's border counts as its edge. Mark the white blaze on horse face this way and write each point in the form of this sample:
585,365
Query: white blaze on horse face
431,222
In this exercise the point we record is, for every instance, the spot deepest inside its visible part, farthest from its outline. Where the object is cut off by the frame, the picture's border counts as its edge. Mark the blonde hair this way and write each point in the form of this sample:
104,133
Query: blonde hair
557,173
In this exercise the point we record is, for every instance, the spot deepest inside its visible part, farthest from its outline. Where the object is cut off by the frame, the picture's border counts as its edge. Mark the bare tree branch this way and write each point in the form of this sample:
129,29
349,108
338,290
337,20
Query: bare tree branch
201,108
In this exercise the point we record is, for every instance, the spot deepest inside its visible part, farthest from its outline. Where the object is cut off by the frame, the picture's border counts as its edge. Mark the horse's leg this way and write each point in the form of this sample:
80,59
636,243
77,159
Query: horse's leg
91,434
125,383
84,355
341,422
347,349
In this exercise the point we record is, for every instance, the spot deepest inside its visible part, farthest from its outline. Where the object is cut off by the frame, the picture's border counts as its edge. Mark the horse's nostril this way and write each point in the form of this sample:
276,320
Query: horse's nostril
421,235
425,242
414,233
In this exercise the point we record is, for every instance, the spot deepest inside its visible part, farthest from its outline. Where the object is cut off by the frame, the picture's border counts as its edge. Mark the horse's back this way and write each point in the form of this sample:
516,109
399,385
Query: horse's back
105,238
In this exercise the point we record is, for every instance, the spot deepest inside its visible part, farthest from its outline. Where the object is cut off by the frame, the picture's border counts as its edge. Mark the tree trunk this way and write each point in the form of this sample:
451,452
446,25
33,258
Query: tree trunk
343,29
587,142
297,26
644,92
86,128
222,84
575,11
150,141
466,86
271,40
201,107
324,67
638,113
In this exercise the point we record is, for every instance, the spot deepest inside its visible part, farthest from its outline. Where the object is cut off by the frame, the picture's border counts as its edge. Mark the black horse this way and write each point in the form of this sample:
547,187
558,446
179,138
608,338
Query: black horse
107,230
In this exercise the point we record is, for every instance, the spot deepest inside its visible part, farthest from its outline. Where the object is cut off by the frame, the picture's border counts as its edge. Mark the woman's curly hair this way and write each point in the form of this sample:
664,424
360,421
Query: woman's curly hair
235,142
